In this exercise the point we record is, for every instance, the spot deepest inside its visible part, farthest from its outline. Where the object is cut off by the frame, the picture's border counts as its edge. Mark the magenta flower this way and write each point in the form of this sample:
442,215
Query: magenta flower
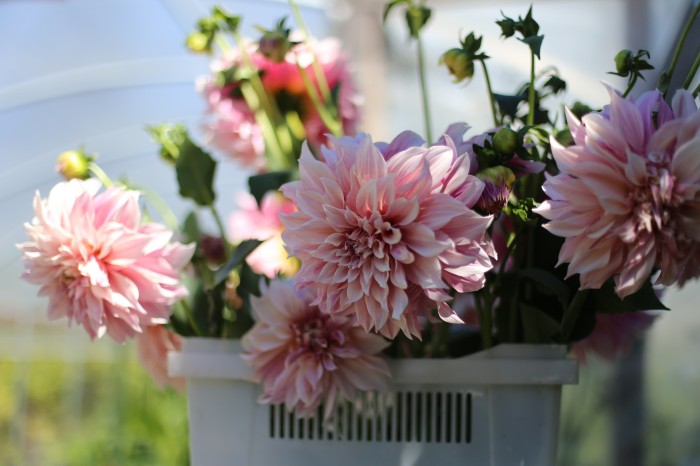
153,346
385,239
626,199
97,264
613,335
304,357
230,124
264,224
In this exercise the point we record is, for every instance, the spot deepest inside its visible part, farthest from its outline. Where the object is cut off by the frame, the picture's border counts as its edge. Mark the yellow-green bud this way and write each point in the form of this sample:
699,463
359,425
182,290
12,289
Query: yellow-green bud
198,42
623,61
505,141
458,63
74,164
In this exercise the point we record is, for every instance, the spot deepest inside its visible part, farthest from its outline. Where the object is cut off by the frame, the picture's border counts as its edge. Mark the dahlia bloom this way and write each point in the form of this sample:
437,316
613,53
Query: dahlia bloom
613,335
304,357
230,124
264,224
153,346
385,237
97,264
626,198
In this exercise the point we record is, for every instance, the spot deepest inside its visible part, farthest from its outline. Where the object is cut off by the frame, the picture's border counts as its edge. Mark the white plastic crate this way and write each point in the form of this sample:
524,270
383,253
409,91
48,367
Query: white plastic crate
498,407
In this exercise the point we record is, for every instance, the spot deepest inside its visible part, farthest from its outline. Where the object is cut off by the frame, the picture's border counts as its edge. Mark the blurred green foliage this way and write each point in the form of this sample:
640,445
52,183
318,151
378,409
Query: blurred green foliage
89,413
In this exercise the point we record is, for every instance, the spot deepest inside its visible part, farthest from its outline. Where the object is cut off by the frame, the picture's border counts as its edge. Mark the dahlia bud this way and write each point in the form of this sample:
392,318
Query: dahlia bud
212,249
623,62
497,186
74,164
458,62
505,141
199,42
274,46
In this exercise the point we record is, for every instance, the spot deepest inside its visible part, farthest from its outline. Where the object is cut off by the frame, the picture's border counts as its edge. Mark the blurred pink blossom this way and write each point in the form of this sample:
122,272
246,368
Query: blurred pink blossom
251,222
97,264
626,199
386,237
613,334
304,357
230,124
152,347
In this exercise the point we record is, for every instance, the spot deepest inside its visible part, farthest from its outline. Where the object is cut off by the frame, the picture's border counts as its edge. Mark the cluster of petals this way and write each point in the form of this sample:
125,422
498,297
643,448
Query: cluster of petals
230,124
385,232
613,335
263,223
304,357
152,347
97,264
627,198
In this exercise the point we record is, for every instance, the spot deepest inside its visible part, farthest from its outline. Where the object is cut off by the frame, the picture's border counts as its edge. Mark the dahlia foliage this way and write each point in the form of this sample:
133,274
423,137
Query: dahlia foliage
545,228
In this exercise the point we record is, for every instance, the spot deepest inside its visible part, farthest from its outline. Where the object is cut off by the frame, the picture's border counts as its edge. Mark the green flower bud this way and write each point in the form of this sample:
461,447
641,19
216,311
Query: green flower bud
498,176
74,164
505,141
623,62
458,62
199,42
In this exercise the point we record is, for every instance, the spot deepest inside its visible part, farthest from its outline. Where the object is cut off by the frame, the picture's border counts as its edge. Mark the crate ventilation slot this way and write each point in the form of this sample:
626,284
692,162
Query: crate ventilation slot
405,416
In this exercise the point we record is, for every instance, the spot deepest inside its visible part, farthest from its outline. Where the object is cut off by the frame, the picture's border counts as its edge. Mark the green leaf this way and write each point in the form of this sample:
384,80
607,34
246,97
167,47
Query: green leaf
547,283
207,310
538,326
190,227
389,6
240,253
534,42
607,301
271,181
195,173
508,104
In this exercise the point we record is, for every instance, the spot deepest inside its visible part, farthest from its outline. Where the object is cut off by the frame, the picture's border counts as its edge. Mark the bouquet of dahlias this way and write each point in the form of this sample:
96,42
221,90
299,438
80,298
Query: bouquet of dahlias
349,250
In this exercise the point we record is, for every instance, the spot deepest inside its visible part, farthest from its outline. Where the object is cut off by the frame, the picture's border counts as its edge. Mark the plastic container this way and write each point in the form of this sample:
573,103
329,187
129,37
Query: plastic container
499,407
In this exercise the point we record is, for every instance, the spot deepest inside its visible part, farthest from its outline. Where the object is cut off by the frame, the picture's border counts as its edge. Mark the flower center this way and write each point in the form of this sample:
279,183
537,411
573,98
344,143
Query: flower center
372,238
314,333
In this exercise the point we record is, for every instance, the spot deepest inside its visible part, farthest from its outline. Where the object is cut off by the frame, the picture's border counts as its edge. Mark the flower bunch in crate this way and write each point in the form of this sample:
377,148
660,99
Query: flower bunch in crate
544,228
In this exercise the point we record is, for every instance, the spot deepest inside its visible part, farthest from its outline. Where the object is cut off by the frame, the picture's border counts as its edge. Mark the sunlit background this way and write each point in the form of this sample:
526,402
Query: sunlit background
94,73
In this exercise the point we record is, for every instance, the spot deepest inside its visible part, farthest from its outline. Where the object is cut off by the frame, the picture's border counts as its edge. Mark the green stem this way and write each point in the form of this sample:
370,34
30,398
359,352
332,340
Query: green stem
531,93
100,174
492,100
633,81
222,230
190,318
693,71
485,322
161,207
328,119
572,313
424,90
281,131
679,46
315,64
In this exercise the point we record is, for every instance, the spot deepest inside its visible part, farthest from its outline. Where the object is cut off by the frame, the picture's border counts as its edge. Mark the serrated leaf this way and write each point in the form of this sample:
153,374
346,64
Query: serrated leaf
534,42
508,104
239,254
195,174
260,184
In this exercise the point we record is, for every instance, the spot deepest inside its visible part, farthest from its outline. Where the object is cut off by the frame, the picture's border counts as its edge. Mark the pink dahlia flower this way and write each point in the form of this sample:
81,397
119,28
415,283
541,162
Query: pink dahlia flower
153,346
264,224
97,264
613,335
626,198
304,357
385,237
230,124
